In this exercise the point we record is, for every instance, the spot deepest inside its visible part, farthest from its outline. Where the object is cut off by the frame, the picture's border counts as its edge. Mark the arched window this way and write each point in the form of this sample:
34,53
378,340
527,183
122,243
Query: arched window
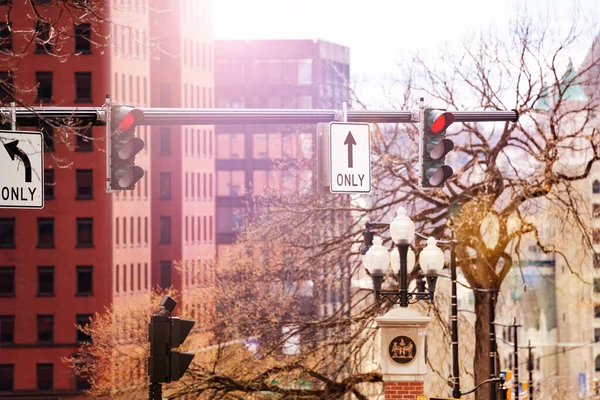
596,187
598,363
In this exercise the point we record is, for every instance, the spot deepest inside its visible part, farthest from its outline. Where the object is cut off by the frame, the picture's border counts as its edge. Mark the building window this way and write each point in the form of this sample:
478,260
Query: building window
82,383
43,37
596,236
5,38
131,284
83,87
7,377
84,183
85,237
229,146
597,334
596,187
165,186
45,376
7,329
49,184
7,90
84,139
165,274
125,278
45,281
83,38
165,230
139,277
45,329
85,281
82,321
7,281
7,233
598,363
165,141
597,310
117,279
597,285
230,183
45,233
48,132
44,86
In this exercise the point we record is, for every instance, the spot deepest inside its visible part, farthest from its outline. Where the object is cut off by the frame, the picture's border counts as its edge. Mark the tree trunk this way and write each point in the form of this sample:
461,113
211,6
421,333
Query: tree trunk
481,362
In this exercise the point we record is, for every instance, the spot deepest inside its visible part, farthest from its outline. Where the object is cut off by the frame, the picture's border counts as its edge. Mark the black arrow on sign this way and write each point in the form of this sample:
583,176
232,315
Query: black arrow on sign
13,151
350,141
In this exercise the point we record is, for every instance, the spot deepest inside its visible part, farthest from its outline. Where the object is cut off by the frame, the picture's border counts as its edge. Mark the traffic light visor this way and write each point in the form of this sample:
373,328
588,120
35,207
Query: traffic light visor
133,118
440,175
129,177
439,121
441,148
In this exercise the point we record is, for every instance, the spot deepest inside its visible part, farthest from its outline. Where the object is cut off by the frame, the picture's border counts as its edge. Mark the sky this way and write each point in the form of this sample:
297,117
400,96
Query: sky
380,33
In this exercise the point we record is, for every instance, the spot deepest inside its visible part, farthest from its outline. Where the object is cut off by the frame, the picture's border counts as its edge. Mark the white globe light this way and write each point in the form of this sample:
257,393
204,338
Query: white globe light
395,260
431,258
402,228
377,259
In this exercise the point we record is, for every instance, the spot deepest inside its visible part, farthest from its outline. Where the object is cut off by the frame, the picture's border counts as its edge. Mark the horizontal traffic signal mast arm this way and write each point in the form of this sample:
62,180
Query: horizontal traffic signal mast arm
31,116
483,116
172,116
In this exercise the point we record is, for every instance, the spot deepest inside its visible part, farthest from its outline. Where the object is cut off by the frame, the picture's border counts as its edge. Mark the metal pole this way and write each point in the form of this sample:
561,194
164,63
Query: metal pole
493,349
13,116
30,116
530,368
516,356
454,319
155,391
403,274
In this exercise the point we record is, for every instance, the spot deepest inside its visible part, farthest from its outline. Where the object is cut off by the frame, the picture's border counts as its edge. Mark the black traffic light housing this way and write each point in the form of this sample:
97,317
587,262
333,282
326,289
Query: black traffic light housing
124,146
166,333
433,147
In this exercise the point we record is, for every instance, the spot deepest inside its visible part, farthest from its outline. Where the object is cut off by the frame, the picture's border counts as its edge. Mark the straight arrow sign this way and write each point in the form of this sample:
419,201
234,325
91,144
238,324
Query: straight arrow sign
349,158
350,142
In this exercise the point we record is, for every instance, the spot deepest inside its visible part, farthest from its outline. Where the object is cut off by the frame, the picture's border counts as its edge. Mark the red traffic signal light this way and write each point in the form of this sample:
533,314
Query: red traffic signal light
125,118
437,121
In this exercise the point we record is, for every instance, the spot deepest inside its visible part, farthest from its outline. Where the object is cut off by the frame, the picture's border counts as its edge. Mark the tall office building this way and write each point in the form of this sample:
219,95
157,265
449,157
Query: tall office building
88,249
270,74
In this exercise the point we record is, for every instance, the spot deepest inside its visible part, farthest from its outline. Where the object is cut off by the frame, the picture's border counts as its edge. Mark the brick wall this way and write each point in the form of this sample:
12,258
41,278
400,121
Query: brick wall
403,390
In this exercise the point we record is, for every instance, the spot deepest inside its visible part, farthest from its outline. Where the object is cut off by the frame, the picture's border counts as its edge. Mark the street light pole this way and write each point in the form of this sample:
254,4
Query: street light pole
516,356
403,274
493,345
454,319
530,368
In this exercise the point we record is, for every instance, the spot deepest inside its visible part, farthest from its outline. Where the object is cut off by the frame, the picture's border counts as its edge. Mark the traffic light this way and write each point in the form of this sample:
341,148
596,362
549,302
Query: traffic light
124,146
166,333
434,146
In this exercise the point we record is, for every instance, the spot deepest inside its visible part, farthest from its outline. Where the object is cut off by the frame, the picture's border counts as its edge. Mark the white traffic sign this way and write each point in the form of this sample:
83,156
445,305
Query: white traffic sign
22,166
350,158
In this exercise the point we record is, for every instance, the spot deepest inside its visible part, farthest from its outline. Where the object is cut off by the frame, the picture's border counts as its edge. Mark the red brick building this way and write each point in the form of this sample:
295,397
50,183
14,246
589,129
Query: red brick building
87,249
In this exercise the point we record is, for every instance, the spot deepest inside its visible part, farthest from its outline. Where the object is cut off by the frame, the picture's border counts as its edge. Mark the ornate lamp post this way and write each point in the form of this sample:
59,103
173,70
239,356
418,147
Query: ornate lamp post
377,260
